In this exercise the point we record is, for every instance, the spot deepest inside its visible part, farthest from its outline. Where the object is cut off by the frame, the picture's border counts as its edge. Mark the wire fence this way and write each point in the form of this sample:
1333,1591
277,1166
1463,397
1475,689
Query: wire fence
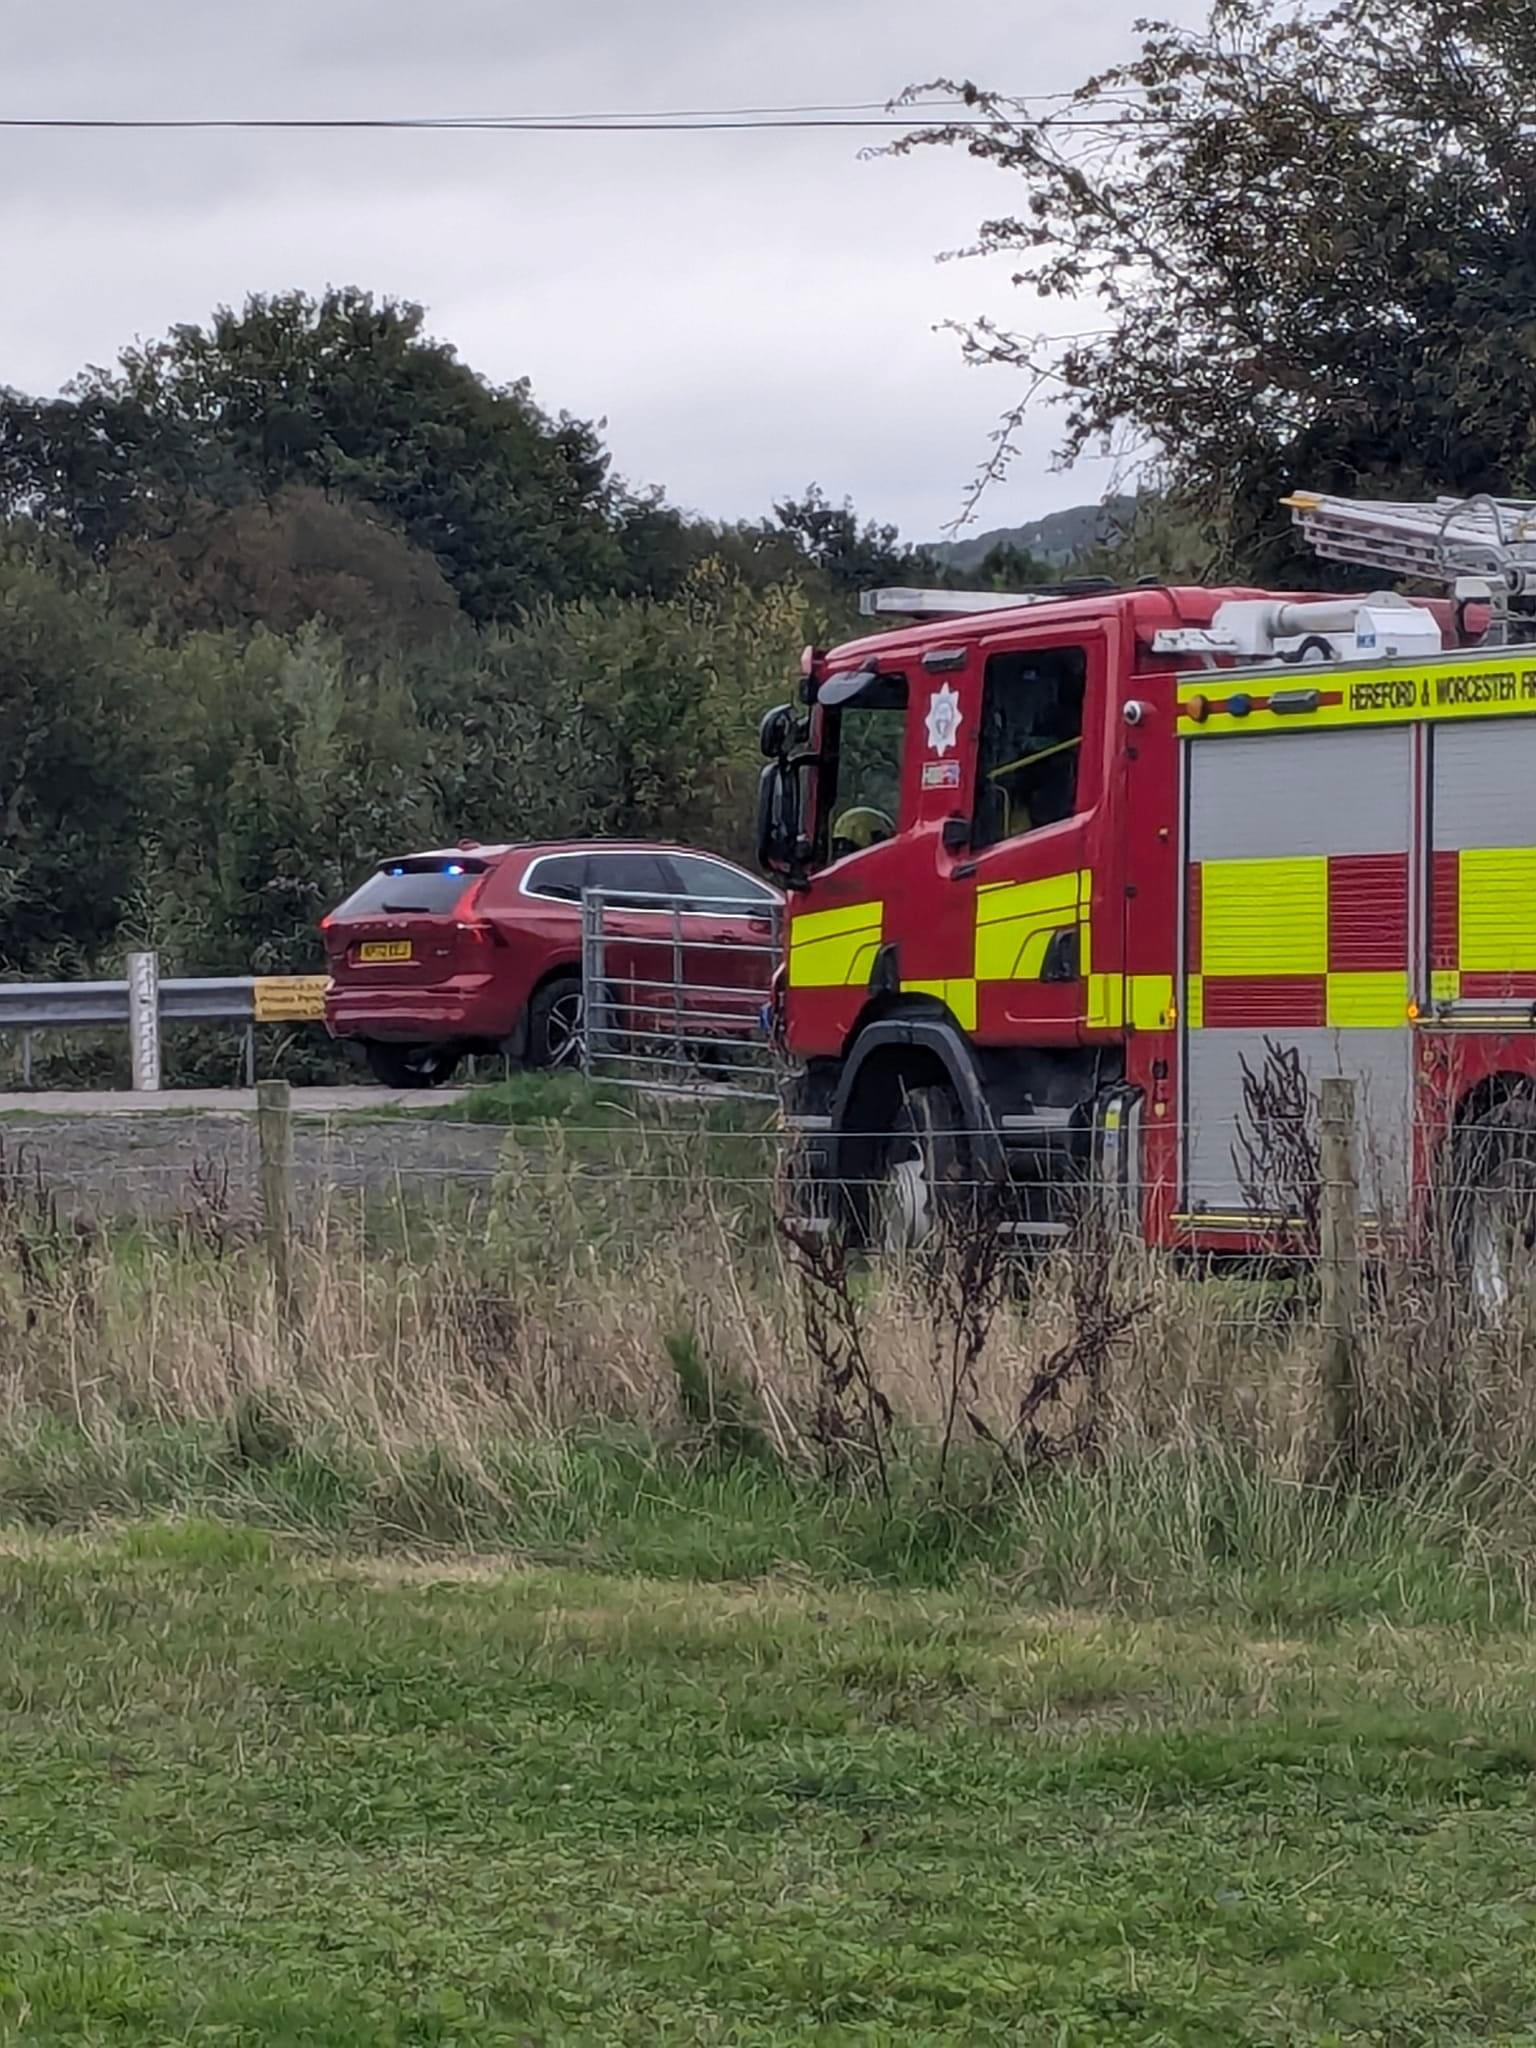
136,1166
558,1271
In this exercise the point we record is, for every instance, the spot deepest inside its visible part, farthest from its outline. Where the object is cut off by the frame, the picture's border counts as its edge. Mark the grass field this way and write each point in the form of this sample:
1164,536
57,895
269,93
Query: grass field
496,1642
255,1792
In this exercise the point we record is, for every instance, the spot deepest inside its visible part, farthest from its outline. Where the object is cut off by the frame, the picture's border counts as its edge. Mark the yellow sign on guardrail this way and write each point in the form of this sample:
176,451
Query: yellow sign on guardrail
290,998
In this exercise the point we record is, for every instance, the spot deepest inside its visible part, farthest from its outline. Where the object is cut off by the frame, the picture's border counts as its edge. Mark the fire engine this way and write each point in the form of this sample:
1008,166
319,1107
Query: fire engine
1061,863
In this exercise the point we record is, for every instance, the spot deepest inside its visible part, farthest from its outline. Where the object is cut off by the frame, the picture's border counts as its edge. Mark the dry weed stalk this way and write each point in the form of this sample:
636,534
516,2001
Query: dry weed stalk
50,1253
852,1417
962,1270
1101,1321
1275,1151
207,1214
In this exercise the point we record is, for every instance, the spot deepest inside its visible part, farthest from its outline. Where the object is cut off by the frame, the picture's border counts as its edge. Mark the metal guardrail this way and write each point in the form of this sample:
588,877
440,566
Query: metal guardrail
77,1005
143,1002
670,1003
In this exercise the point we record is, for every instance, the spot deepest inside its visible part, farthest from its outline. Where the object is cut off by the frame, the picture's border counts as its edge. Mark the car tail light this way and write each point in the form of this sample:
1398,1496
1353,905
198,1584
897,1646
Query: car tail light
472,930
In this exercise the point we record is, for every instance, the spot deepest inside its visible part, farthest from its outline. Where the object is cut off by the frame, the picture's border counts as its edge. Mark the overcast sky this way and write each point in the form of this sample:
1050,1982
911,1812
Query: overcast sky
749,311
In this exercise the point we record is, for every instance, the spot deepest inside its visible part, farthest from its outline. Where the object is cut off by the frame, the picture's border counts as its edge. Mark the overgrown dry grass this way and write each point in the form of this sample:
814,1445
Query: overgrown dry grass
547,1303
452,1347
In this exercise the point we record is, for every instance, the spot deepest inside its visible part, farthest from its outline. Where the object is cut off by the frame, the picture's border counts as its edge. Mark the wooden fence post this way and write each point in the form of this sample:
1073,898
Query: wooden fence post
274,1140
1339,1273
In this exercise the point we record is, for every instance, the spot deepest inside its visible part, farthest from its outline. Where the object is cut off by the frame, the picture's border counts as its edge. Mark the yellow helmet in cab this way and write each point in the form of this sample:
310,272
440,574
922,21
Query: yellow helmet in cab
860,827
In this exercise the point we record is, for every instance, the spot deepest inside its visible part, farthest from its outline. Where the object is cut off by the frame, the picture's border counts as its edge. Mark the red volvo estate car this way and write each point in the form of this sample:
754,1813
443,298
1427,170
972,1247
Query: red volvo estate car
478,949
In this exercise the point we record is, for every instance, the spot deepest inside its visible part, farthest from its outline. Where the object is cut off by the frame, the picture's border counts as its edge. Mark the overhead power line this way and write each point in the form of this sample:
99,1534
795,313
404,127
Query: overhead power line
1049,111
559,126
859,114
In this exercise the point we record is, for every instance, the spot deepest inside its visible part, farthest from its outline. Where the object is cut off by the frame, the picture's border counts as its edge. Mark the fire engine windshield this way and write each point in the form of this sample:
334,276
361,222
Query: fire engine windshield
862,735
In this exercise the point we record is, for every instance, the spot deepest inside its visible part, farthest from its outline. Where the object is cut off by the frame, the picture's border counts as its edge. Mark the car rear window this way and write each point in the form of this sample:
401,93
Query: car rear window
412,888
563,876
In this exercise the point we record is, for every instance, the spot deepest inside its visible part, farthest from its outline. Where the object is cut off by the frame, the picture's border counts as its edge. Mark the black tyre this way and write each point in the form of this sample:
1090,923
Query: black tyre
924,1170
557,1025
1492,1202
410,1066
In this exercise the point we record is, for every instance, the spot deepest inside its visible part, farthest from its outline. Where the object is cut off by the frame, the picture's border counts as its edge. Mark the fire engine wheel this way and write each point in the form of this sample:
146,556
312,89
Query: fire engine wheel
557,1024
1493,1203
924,1164
410,1066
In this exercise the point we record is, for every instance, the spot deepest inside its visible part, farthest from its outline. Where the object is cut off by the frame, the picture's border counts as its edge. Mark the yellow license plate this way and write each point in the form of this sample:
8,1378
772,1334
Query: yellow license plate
377,951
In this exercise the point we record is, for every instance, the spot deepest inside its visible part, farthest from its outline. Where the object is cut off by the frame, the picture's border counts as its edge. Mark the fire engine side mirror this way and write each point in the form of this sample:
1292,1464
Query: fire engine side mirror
776,733
778,818
956,834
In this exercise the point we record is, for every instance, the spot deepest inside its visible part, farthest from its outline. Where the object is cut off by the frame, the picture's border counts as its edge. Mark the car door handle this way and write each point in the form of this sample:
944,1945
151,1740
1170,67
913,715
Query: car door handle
966,869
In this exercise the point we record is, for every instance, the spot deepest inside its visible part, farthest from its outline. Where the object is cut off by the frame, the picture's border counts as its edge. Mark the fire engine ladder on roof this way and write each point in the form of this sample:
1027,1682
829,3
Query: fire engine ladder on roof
1482,547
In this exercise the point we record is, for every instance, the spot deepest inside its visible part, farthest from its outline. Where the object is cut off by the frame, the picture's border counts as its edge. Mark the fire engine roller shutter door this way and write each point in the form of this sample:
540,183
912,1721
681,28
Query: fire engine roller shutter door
1297,931
1483,879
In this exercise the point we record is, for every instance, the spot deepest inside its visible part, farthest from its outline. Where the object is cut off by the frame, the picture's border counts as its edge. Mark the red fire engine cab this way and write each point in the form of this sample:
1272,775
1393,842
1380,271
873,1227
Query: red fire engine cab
1060,865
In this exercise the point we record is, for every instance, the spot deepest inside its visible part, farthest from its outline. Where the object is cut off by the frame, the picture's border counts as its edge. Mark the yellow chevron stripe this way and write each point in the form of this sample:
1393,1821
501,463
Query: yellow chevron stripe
958,996
1016,921
835,948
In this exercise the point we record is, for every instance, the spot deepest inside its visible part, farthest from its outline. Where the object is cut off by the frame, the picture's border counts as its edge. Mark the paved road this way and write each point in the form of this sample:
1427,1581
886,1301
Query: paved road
54,1102
111,1154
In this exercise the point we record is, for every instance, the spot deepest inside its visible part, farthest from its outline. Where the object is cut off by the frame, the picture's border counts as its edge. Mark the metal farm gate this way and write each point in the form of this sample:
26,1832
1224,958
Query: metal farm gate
676,992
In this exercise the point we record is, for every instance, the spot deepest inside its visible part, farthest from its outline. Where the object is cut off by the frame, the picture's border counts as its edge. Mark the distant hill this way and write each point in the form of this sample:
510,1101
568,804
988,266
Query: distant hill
1056,538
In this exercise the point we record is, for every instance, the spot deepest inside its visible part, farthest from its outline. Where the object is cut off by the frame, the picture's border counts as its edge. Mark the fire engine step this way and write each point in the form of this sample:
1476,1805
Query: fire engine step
1011,1233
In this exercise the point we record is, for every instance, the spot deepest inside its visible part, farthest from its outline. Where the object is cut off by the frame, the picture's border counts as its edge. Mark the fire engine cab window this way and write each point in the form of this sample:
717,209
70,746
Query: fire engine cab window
1031,742
865,739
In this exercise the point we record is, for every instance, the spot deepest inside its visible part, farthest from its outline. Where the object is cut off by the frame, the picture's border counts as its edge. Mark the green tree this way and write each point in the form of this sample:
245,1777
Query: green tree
343,393
280,562
1307,234
609,716
295,768
84,749
850,556
1007,567
661,544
